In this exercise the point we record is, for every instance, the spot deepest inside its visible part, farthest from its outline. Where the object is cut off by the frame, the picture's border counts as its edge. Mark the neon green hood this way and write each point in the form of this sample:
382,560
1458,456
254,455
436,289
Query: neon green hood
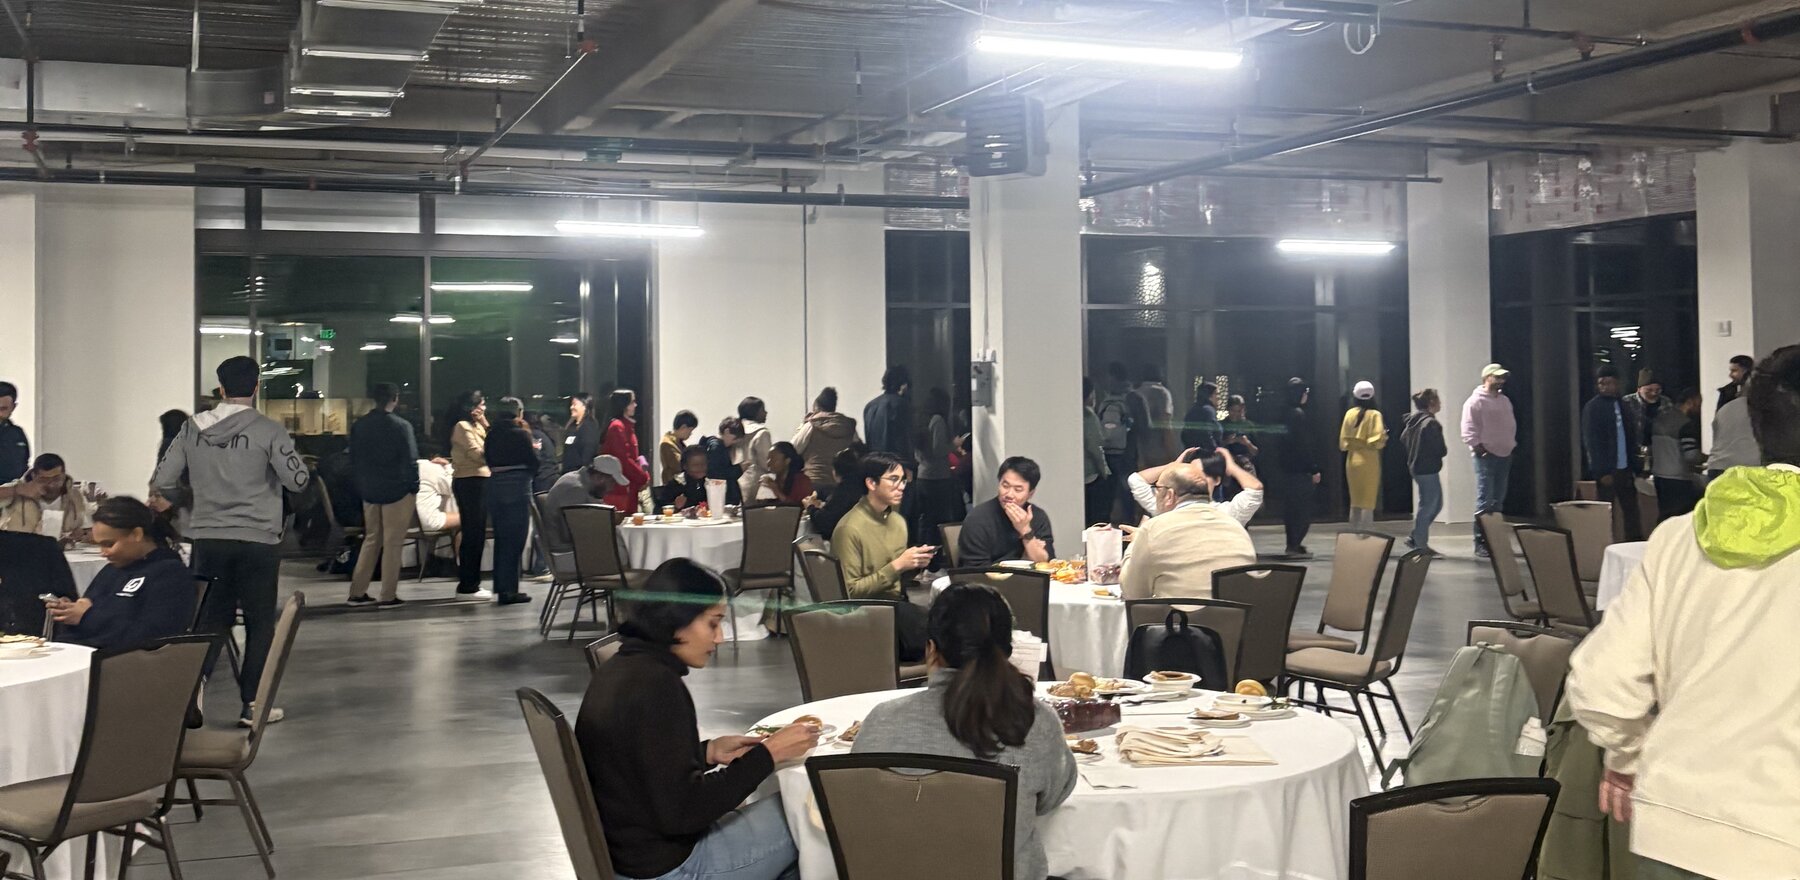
1750,516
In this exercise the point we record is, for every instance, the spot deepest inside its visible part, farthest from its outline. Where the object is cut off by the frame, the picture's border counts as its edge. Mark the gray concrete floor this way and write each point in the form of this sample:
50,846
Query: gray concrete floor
404,754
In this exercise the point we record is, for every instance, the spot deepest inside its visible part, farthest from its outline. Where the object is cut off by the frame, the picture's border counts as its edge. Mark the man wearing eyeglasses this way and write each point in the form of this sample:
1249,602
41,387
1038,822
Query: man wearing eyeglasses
872,554
1175,553
1008,526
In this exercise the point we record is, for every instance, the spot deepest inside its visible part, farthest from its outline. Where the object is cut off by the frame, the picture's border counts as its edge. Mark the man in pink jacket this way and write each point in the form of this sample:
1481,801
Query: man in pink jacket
1491,432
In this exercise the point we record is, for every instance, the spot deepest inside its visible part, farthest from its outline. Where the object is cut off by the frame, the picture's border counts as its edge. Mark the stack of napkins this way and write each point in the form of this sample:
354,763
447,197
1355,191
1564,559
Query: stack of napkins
1174,746
1028,652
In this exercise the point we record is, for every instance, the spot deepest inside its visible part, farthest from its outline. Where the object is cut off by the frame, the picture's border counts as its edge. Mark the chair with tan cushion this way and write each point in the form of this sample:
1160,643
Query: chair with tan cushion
952,533
1590,525
559,756
1551,555
1543,652
823,576
768,560
601,650
1358,674
600,561
1470,829
559,555
1499,535
1356,569
1027,592
844,648
966,809
137,705
1228,619
1271,591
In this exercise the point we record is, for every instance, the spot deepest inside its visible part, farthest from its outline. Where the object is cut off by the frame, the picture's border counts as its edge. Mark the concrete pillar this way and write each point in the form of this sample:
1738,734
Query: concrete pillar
19,302
1449,332
1025,274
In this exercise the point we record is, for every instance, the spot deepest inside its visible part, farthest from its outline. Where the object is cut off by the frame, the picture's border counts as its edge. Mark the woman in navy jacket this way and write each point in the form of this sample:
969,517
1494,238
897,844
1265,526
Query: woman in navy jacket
145,593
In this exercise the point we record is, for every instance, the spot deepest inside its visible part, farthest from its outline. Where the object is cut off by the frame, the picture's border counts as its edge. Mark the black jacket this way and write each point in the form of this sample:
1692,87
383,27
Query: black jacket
30,565
887,425
582,444
15,452
1729,392
719,467
548,461
641,742
152,598
384,457
1200,428
684,493
989,537
1600,439
509,446
1297,454
843,497
1423,437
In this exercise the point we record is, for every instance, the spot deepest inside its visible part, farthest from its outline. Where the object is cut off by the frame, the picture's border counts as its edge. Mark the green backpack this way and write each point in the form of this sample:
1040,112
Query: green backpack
1483,723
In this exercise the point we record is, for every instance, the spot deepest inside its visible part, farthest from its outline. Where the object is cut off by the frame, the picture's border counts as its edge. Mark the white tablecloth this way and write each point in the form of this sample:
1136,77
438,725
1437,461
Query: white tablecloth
43,703
1289,820
1620,562
84,563
1087,632
718,546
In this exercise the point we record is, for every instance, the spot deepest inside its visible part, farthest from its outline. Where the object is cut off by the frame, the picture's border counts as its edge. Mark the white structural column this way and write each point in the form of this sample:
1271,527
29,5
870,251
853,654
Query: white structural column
19,300
1025,275
1748,206
1448,307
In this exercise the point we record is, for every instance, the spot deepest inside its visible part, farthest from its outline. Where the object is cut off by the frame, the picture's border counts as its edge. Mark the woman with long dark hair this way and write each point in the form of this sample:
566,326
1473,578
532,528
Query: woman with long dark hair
172,505
1361,437
977,705
1299,474
465,424
581,436
787,474
145,592
512,463
669,802
622,443
939,499
847,465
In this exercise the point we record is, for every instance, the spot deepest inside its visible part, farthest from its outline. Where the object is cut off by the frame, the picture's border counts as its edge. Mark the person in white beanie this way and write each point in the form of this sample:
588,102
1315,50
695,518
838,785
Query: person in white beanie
1362,437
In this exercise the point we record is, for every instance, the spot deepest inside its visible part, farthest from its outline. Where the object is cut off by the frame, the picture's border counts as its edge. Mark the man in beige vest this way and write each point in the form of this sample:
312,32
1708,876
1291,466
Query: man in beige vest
1175,554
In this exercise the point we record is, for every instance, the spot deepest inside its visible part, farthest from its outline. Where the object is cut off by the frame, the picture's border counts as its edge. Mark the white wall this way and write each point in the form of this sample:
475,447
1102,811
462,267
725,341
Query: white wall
116,300
19,301
1748,206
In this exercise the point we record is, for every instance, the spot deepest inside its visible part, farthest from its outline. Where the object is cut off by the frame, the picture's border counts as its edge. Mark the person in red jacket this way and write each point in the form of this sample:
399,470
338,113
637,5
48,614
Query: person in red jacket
621,442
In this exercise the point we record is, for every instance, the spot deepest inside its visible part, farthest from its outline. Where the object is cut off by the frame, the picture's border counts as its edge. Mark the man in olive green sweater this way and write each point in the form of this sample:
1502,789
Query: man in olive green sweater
871,548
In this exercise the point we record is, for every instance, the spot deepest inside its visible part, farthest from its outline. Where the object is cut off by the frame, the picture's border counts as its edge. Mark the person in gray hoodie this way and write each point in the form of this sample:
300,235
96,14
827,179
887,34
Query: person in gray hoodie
237,462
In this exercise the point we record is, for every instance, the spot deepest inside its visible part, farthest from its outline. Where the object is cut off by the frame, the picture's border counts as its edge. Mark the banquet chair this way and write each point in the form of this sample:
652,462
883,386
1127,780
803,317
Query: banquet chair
1428,831
1271,591
565,580
1357,674
425,543
823,576
1356,569
1589,524
1027,592
1226,618
810,541
952,536
768,561
600,563
203,587
224,755
124,774
1551,555
559,756
352,534
966,808
1543,652
844,648
601,650
1499,536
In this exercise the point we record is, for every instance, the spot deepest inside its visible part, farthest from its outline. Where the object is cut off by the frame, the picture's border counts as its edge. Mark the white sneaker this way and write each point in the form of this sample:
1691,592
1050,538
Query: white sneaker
275,716
483,594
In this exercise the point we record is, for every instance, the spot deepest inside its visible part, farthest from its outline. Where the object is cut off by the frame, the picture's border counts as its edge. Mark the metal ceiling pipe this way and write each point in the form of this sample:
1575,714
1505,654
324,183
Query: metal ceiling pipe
449,187
1386,21
582,55
1698,43
1504,122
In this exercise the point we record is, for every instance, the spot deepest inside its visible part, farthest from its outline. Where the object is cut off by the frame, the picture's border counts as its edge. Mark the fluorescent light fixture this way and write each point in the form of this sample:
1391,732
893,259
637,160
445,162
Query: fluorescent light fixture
373,346
343,112
509,339
346,92
1333,247
481,286
1116,52
435,7
560,340
307,339
327,348
225,331
628,230
407,319
442,319
570,354
362,53
437,357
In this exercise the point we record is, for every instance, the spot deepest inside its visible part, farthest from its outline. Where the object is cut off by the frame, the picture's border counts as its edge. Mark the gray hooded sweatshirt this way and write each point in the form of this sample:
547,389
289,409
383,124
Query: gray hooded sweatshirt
237,461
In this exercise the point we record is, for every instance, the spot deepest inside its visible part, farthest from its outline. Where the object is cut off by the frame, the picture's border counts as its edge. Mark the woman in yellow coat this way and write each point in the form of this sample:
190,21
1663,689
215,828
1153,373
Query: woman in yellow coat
1361,438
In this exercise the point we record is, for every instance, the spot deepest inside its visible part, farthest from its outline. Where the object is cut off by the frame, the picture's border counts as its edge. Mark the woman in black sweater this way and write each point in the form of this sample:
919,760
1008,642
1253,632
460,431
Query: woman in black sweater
145,593
512,461
666,814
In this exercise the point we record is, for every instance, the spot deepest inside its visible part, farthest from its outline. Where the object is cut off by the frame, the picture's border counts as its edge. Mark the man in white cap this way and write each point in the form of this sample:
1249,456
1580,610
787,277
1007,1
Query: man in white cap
587,485
1490,429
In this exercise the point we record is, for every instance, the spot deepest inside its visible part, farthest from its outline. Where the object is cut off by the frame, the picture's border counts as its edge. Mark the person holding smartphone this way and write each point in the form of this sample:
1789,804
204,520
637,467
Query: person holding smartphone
871,545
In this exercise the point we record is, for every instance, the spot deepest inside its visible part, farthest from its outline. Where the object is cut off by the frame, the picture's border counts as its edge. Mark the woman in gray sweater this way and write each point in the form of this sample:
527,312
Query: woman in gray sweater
977,705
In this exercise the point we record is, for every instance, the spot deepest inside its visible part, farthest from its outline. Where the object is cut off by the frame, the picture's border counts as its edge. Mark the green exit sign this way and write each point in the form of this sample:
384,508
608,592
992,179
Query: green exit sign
327,333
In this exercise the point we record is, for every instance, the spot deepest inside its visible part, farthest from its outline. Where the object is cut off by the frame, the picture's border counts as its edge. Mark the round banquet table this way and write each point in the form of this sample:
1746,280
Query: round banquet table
1620,562
716,545
43,705
84,563
1087,631
1288,820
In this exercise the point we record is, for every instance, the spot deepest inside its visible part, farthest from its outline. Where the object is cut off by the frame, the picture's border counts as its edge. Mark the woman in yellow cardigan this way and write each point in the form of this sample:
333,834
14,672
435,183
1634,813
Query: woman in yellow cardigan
1361,438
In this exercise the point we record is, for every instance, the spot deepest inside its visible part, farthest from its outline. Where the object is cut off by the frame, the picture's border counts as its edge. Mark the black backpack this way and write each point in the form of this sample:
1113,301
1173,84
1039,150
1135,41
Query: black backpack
1177,646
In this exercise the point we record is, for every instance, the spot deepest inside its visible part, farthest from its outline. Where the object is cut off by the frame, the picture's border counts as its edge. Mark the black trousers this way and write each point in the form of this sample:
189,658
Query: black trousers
910,632
1098,500
470,493
509,505
1297,492
244,576
1675,497
1620,487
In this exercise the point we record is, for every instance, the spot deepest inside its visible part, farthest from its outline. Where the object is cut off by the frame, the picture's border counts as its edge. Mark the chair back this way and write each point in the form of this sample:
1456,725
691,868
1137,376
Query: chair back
1499,535
601,650
1590,525
594,538
1227,618
1430,831
1403,604
966,809
952,532
1356,571
137,706
541,513
559,755
1543,652
1028,592
331,517
1272,592
280,647
1551,555
811,541
844,648
769,533
823,576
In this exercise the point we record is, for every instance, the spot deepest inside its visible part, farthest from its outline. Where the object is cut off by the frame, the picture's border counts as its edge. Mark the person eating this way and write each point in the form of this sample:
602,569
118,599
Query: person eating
145,592
786,481
1007,526
688,489
45,488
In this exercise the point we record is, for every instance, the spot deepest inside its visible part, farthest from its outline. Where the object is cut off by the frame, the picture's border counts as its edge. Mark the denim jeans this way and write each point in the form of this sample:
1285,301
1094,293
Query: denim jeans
1491,472
508,502
751,843
1431,503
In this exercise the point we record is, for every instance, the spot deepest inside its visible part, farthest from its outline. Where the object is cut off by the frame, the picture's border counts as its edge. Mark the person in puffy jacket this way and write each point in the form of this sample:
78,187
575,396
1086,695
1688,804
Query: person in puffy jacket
824,434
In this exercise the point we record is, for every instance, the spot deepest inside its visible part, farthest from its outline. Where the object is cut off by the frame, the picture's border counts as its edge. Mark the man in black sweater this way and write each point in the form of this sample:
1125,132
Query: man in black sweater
1612,451
384,458
1008,526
